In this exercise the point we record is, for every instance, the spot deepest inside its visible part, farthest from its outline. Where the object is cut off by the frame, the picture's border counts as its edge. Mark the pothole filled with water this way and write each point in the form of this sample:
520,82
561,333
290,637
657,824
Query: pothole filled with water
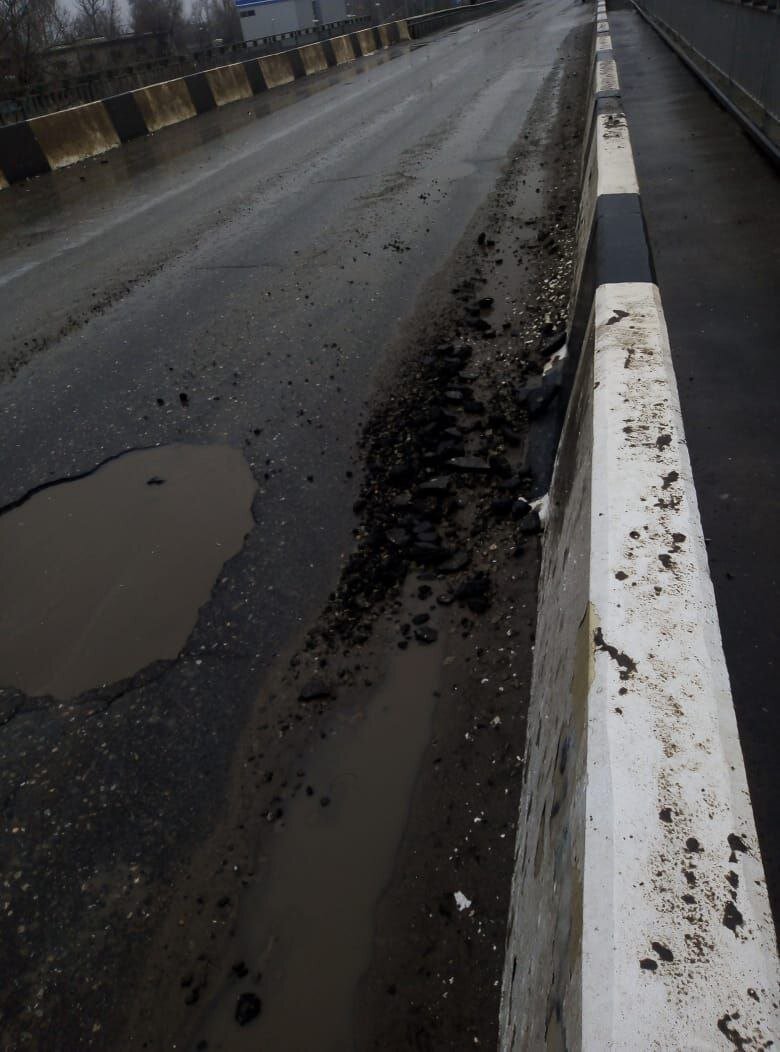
103,574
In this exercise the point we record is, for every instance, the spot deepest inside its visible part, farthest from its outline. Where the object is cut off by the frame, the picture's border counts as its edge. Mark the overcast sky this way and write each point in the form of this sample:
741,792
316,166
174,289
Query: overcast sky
71,7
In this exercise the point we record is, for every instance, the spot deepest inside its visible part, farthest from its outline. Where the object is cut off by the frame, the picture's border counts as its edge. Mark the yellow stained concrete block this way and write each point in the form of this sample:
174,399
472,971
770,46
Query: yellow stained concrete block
383,33
313,58
276,69
403,29
343,50
166,103
71,135
366,41
229,83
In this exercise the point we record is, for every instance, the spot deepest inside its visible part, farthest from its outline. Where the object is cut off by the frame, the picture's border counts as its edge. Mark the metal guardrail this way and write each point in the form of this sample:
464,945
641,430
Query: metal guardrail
95,86
421,25
735,48
91,87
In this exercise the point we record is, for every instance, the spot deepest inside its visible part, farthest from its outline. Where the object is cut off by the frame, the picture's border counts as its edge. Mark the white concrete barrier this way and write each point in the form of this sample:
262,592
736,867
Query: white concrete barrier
229,83
366,41
74,134
343,50
313,58
277,69
164,104
41,144
639,915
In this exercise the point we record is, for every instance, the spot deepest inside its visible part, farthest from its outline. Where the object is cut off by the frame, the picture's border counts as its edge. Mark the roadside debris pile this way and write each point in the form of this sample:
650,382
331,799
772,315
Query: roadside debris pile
443,458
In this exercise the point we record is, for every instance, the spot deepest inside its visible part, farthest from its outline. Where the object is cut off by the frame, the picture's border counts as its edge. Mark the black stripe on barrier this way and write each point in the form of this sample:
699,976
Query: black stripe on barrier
298,68
200,92
20,154
618,251
604,54
622,248
254,76
607,93
356,45
125,114
330,54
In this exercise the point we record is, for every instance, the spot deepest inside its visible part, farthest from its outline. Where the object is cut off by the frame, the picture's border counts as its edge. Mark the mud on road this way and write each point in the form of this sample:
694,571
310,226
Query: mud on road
357,897
352,891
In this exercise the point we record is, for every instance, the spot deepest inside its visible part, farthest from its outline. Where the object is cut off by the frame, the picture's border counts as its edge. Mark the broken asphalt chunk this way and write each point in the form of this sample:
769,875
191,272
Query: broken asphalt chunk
427,552
530,523
436,487
314,690
247,1008
458,562
472,465
554,343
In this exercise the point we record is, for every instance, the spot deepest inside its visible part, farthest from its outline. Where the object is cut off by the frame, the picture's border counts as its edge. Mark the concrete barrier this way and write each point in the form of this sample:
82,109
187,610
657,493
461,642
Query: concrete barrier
277,69
71,135
366,41
36,146
126,116
164,104
434,21
639,917
20,155
229,83
199,88
342,50
313,58
254,75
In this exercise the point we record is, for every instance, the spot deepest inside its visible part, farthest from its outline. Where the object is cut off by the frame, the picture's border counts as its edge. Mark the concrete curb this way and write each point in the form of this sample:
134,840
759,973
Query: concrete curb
56,140
639,916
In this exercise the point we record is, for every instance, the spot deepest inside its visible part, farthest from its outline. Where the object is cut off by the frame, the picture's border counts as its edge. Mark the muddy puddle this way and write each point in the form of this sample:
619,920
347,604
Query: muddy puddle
305,926
106,573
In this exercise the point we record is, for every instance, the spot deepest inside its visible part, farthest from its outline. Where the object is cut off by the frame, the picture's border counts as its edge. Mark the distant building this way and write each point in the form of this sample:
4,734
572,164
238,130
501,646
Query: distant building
267,18
98,54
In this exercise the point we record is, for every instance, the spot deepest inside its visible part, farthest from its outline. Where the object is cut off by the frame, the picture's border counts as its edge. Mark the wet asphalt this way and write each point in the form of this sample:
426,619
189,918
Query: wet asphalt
241,280
712,205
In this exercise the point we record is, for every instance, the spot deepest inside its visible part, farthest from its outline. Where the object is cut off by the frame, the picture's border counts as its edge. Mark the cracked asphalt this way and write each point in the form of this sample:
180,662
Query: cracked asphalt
249,279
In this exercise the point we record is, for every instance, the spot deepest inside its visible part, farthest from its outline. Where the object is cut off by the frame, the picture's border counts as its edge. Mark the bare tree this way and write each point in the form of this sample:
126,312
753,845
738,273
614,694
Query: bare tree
89,18
113,21
96,18
213,19
27,29
157,16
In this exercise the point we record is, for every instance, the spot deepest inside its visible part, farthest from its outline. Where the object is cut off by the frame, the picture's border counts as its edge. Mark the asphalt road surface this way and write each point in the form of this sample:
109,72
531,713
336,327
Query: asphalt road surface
241,282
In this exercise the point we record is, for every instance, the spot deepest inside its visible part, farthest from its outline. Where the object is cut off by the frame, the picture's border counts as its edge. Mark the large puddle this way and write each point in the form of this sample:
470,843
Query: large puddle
306,922
104,574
